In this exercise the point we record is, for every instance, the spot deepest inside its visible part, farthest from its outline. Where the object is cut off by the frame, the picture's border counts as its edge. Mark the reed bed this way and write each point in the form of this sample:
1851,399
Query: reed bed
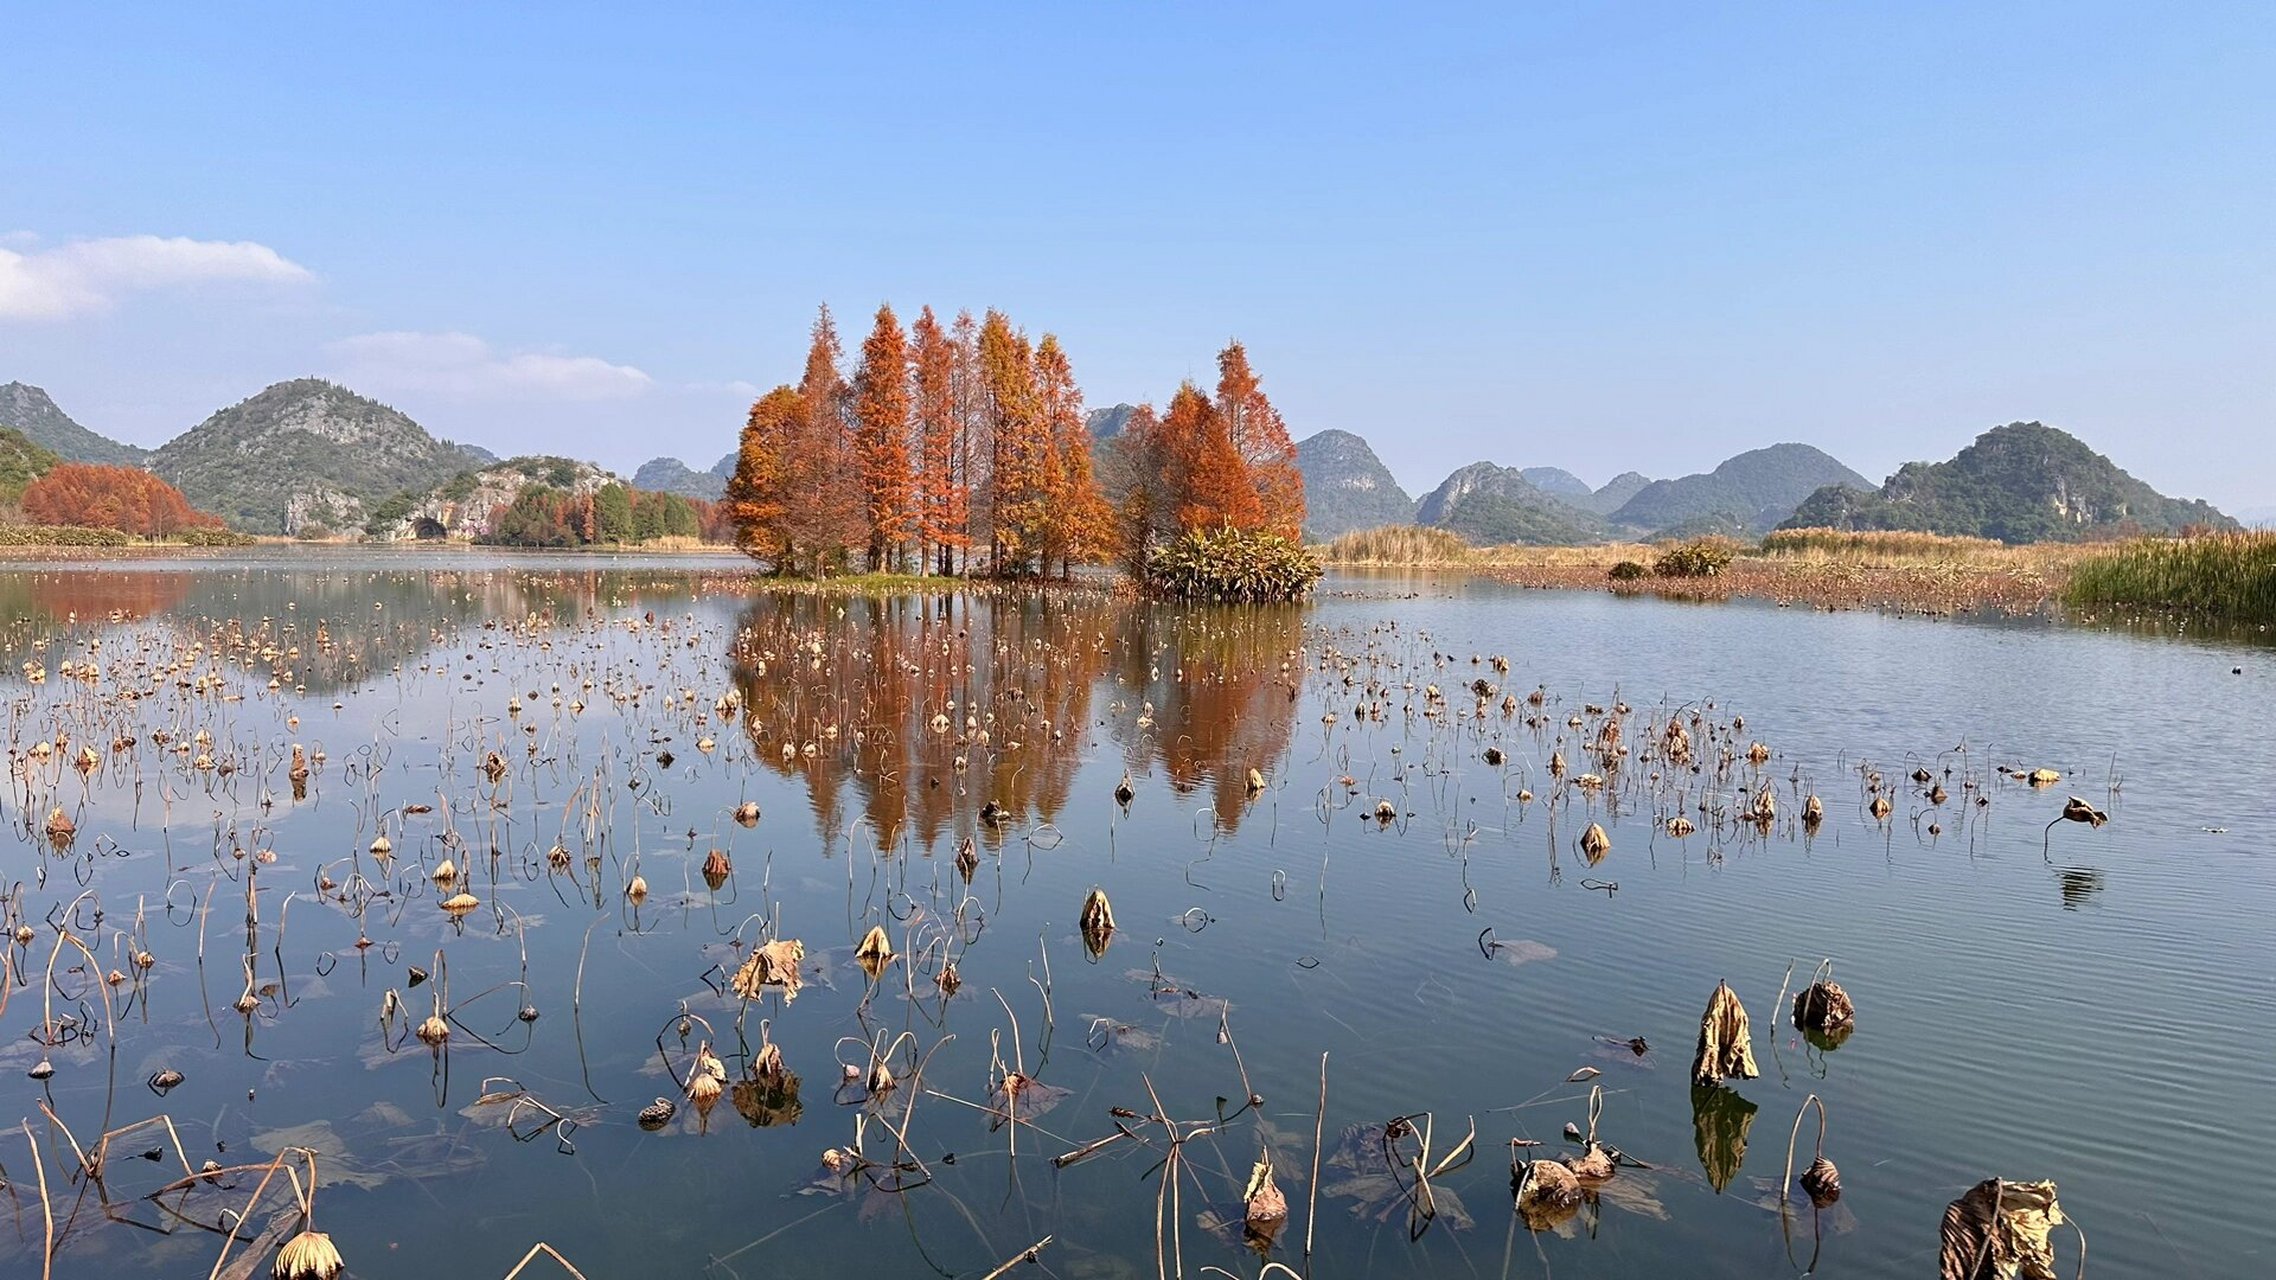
1398,544
2229,577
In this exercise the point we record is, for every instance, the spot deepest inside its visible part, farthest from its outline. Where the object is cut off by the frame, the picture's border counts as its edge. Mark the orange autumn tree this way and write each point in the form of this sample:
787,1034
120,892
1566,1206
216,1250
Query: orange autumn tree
758,498
945,439
943,500
127,499
1076,524
826,509
1020,445
881,408
1205,464
1261,439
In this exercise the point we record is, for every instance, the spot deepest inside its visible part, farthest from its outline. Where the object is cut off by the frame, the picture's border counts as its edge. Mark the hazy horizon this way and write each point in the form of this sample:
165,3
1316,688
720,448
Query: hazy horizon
1602,240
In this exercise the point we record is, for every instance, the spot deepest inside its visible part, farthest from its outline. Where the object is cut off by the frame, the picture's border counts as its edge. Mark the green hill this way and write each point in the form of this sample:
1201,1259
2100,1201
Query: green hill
670,475
2024,482
31,411
1489,505
305,452
21,462
1346,487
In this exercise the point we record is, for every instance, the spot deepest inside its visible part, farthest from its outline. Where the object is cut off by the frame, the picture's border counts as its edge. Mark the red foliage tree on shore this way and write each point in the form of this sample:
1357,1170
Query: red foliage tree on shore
104,497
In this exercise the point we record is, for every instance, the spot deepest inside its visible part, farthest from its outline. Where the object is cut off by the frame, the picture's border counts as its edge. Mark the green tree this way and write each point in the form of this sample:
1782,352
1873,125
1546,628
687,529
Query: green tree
612,514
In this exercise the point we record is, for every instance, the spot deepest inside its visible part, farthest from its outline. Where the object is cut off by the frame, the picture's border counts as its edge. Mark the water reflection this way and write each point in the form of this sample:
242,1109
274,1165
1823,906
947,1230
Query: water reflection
924,719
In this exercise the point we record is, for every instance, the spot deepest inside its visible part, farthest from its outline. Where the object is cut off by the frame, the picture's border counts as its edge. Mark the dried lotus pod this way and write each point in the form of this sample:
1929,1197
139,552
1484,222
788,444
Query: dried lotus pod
747,813
1097,923
1822,1181
458,904
1595,843
1813,811
434,1031
637,889
60,827
875,951
1546,1192
657,1114
704,1090
1594,1165
1263,1201
307,1256
1822,1006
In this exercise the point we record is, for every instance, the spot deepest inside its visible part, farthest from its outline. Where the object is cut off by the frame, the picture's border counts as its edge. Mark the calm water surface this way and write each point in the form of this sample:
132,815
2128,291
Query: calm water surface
2099,1014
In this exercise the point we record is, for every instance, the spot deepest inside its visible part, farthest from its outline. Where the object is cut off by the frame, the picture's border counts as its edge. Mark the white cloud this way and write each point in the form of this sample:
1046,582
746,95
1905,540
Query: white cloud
88,276
464,367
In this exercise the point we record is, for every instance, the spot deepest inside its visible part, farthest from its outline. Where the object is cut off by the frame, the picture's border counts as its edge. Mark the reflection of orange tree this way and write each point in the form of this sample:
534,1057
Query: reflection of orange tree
916,711
926,707
1222,682
91,595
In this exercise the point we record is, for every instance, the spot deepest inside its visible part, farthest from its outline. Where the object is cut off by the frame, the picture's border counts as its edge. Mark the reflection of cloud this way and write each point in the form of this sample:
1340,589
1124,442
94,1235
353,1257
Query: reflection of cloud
86,276
463,366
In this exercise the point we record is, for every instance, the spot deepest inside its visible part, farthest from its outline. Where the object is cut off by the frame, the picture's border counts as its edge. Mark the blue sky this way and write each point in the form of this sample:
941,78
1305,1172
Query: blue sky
1598,236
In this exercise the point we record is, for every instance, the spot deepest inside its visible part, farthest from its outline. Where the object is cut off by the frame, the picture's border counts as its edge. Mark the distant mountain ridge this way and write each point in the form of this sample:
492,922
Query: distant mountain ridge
1558,483
31,410
670,475
2023,482
1488,504
1107,423
1749,493
1346,487
306,452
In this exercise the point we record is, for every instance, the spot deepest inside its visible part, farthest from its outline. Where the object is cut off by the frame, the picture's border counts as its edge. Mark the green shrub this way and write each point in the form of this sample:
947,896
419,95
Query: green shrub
1626,571
57,535
1232,566
1698,558
213,538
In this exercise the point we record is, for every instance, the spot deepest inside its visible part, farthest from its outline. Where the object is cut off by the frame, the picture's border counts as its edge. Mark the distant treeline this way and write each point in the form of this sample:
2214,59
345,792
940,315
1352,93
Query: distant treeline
614,514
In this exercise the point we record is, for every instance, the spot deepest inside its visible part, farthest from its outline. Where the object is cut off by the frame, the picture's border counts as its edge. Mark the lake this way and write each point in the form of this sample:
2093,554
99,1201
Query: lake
2084,1003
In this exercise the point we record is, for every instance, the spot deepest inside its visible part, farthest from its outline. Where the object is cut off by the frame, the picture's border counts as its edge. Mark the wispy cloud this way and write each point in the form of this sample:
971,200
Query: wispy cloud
464,367
83,277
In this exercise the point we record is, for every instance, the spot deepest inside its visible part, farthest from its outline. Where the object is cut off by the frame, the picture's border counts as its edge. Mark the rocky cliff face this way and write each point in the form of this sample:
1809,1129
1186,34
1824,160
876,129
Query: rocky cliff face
468,505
